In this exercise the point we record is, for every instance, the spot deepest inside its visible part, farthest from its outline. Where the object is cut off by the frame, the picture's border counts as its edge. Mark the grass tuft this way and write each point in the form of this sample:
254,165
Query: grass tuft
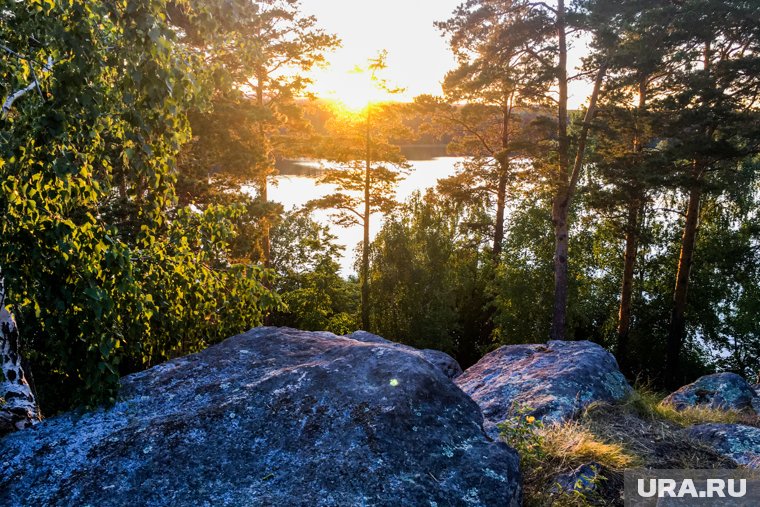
648,404
639,432
573,443
547,451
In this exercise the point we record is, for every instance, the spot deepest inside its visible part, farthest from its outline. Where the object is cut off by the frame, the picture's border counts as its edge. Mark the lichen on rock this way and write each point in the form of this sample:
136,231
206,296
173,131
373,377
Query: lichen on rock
738,442
555,380
720,391
270,417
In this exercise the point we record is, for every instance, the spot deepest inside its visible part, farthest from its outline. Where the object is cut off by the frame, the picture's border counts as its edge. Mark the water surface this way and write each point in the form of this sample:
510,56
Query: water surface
297,183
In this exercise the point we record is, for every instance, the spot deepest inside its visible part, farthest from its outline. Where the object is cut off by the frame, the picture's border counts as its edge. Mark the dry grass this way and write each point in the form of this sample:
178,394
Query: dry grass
649,404
573,443
639,432
655,441
547,451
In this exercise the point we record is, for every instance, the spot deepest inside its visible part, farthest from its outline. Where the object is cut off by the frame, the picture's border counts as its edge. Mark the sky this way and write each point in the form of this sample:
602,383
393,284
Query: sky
418,57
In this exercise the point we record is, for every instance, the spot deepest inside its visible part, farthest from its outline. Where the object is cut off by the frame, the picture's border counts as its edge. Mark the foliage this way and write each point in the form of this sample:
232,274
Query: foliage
105,273
522,283
197,295
315,295
520,431
427,280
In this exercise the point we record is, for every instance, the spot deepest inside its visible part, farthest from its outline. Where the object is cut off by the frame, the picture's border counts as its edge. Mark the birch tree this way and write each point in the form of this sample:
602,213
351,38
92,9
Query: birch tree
104,272
18,407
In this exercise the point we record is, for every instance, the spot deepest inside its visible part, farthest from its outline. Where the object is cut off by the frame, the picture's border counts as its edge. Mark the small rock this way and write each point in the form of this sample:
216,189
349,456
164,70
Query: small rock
737,442
585,478
555,380
721,391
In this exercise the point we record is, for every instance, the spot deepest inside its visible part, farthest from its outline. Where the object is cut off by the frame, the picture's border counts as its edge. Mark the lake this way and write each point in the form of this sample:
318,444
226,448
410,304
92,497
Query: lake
296,184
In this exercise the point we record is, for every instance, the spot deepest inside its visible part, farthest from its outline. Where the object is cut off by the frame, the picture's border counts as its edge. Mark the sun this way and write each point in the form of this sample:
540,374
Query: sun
356,89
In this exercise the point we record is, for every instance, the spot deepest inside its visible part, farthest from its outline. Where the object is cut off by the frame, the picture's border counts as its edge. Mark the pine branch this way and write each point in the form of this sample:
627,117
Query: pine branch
590,113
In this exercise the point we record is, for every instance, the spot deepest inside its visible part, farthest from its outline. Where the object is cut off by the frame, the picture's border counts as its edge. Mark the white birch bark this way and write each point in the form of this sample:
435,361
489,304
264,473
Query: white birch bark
18,408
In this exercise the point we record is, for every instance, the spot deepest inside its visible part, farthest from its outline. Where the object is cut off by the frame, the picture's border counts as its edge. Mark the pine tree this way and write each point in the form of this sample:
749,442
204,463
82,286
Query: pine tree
368,168
490,98
634,42
710,122
260,54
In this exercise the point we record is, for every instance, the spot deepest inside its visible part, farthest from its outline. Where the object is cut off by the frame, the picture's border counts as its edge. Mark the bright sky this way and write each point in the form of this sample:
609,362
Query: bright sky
418,57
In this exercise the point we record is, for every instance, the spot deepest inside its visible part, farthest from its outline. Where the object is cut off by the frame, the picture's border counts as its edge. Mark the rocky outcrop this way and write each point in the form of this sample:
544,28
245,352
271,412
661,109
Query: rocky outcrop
270,417
737,442
555,380
593,482
447,364
721,391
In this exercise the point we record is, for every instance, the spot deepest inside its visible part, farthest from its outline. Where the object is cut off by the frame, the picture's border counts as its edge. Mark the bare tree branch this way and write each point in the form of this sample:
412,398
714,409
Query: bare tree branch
544,5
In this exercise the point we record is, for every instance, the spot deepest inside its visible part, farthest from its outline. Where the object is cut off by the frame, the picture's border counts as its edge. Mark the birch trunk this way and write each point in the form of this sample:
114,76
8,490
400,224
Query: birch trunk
18,408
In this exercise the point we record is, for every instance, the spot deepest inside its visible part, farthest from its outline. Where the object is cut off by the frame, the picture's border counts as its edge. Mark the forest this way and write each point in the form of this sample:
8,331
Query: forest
139,140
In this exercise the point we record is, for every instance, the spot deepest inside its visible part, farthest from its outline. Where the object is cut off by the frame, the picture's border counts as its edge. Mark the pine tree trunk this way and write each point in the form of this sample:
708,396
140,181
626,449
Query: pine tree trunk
561,202
631,247
18,408
367,214
685,261
561,282
501,204
266,241
263,184
501,191
677,331
626,293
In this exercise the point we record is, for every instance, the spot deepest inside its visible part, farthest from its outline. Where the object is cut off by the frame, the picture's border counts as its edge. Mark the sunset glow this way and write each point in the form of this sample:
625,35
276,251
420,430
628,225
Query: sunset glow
418,58
357,91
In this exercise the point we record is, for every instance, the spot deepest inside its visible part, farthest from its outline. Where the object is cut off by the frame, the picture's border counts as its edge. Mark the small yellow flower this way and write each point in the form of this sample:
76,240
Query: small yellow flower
530,419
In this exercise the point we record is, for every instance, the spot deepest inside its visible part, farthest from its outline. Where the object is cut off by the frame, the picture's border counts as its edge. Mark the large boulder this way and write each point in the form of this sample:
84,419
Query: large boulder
447,364
270,417
555,380
721,391
737,442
